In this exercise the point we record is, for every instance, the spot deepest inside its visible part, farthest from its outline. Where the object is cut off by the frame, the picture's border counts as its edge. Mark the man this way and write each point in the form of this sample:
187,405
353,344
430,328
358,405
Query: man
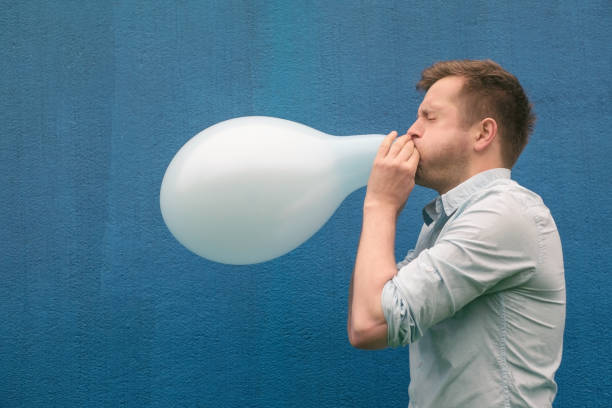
481,299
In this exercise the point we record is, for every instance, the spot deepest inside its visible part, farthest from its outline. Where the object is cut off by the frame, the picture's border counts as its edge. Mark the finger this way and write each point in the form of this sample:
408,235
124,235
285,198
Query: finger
386,144
398,145
413,160
406,151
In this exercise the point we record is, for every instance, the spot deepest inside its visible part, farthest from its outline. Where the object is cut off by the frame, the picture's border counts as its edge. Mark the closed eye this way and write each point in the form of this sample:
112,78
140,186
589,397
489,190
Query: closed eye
425,114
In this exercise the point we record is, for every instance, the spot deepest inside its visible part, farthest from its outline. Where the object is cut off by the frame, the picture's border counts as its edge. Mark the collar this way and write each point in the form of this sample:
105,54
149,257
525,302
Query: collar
447,203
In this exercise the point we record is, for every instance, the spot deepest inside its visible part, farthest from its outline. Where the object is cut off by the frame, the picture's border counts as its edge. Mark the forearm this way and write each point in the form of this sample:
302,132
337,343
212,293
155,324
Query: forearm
374,266
391,181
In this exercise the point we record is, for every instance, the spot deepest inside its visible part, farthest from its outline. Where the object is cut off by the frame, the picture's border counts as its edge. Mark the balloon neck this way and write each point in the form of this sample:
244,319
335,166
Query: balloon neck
355,158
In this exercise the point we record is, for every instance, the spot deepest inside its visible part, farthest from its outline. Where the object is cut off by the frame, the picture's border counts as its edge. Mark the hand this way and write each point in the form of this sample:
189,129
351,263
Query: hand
392,177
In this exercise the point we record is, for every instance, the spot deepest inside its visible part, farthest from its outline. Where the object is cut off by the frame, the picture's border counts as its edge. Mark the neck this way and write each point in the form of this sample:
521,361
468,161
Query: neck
472,171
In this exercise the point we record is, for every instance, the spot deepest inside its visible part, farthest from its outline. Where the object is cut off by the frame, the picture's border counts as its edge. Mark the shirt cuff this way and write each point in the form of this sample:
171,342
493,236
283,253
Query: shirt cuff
401,327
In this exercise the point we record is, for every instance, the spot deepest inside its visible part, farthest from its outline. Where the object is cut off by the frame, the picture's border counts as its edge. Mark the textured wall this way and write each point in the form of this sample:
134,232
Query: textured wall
100,306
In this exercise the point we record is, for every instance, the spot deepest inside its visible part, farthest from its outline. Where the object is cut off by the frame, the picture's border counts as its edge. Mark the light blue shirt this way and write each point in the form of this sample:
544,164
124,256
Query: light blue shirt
481,299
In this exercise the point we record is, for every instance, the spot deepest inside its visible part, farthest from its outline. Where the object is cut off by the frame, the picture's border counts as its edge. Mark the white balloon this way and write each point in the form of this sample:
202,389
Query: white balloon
251,189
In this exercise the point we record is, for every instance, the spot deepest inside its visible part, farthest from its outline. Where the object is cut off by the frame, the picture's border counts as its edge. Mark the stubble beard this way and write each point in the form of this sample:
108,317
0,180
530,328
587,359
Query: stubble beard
423,178
442,176
418,176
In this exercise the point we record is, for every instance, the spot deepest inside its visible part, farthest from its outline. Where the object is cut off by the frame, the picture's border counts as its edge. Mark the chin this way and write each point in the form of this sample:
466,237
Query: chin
418,178
421,179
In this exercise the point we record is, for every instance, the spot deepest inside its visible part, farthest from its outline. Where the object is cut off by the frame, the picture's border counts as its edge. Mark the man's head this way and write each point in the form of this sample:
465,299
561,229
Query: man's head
475,114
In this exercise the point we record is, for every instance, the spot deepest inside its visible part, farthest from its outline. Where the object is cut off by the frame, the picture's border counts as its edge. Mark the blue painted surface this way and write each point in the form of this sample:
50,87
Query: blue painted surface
100,306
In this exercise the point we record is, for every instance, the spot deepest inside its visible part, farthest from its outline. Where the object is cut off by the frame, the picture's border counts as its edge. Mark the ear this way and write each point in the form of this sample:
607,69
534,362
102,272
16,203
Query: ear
485,134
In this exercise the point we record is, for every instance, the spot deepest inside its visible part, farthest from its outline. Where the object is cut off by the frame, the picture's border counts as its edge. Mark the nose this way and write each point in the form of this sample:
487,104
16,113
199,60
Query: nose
416,130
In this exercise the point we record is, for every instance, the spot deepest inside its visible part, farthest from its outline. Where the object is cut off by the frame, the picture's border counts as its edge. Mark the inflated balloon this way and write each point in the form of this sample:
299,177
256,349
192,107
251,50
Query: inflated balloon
251,189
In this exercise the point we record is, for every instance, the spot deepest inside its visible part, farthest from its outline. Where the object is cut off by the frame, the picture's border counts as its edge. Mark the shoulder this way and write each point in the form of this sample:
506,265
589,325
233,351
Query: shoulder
504,214
506,198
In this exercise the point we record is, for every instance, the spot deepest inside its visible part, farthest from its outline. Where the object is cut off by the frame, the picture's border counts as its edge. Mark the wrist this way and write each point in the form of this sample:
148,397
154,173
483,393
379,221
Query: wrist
378,212
370,206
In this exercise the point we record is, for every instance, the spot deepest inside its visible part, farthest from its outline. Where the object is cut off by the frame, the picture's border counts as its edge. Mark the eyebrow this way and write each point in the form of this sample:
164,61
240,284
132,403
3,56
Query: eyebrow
429,109
425,111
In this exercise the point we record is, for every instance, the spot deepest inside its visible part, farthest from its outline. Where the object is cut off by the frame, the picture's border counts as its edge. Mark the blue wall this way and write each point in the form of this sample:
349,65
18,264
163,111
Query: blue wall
100,306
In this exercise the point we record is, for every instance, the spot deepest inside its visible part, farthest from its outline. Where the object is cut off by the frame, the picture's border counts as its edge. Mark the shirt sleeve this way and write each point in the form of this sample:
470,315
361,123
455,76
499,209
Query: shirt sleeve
491,246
